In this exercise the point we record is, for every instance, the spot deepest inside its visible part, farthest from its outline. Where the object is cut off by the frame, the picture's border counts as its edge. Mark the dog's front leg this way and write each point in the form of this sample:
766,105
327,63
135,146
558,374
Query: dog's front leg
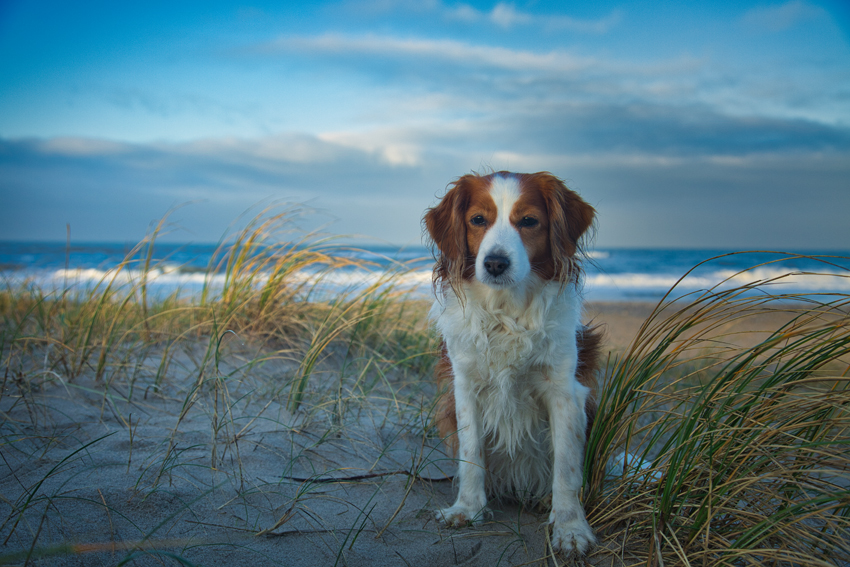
567,419
471,502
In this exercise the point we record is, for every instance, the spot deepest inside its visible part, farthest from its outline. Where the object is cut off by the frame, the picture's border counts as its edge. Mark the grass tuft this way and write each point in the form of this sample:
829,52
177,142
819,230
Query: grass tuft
740,452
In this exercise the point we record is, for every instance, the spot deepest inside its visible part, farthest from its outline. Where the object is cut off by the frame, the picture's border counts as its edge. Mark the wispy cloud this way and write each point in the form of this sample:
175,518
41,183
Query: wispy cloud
503,15
453,51
479,78
507,16
780,17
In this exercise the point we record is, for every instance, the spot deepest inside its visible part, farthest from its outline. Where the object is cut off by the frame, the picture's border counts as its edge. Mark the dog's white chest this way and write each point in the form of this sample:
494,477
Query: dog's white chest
509,349
504,343
508,333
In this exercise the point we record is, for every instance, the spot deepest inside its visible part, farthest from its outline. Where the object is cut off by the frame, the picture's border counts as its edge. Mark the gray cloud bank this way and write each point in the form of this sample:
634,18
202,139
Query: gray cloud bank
659,177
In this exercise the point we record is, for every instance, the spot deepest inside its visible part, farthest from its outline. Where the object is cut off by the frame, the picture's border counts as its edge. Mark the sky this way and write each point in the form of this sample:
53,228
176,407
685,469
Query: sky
703,124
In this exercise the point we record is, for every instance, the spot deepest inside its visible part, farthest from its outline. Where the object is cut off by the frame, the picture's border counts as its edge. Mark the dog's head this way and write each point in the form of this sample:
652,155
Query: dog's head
502,227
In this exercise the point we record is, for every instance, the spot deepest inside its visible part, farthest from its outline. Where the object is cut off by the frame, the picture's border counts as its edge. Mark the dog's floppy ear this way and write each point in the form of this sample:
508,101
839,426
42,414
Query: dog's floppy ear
446,228
569,218
445,224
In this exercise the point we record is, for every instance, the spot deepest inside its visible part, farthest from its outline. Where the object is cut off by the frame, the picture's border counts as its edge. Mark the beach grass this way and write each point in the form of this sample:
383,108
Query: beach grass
740,454
271,418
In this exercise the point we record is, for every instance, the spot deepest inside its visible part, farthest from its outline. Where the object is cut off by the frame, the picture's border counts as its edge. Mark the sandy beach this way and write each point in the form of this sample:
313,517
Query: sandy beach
211,466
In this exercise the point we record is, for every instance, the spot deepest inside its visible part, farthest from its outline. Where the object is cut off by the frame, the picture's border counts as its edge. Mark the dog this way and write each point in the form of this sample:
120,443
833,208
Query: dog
517,365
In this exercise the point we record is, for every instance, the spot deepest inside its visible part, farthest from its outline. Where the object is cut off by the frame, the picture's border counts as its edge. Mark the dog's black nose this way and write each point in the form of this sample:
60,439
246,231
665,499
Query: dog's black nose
496,265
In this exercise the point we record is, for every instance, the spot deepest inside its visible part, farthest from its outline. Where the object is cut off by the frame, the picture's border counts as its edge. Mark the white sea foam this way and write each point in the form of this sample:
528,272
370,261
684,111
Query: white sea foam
775,280
166,279
825,281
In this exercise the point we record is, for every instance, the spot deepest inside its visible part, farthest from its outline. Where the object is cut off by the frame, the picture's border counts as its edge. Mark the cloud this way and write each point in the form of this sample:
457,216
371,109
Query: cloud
477,80
503,15
654,173
114,195
441,50
664,130
555,127
392,151
82,146
780,17
650,143
770,201
463,13
507,16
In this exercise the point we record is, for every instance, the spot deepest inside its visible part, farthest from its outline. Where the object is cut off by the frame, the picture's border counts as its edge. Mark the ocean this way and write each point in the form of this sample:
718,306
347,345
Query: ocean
613,274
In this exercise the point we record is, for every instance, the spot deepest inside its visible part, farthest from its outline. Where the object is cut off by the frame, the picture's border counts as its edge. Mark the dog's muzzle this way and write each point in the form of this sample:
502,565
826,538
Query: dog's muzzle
496,264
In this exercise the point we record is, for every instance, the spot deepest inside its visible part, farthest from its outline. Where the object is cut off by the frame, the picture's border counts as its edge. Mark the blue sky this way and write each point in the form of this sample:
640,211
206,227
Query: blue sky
699,124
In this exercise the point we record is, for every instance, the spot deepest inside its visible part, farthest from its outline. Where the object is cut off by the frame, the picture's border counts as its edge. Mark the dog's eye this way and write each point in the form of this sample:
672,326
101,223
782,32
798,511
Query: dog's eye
527,222
478,220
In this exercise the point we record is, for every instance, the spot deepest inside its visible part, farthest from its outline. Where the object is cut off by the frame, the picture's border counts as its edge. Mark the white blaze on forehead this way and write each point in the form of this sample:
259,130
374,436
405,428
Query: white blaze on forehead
503,239
505,193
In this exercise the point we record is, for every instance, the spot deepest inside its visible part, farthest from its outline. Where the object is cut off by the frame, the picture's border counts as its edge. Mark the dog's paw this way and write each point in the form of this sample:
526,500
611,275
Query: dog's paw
571,533
459,515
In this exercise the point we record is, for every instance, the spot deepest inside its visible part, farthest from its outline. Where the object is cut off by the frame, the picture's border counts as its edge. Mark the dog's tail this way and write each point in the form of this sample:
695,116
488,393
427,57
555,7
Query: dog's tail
589,342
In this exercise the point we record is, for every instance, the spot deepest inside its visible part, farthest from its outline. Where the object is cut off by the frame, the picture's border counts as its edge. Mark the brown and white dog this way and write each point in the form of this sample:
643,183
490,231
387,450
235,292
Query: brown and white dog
517,364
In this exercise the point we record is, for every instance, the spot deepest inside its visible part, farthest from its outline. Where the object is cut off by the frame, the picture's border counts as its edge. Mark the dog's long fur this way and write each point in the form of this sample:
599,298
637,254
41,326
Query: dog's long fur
517,366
